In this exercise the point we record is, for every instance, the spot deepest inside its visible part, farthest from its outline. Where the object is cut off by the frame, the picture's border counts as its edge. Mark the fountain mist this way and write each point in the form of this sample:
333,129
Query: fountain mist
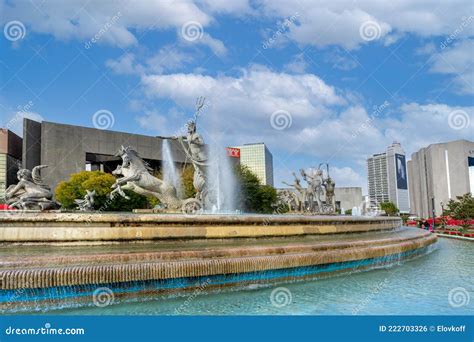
170,173
221,177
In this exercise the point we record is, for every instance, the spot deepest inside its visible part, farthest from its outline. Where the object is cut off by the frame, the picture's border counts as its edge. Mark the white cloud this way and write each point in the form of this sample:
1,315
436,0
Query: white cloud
215,45
169,58
326,22
325,124
253,96
125,65
320,23
346,176
458,61
84,19
298,65
421,125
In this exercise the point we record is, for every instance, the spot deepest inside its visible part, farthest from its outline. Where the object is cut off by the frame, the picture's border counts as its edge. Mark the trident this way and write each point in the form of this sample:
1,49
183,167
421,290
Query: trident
200,102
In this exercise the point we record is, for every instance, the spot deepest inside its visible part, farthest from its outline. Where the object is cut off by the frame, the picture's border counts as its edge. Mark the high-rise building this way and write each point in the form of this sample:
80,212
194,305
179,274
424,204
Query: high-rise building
258,159
10,159
438,173
387,177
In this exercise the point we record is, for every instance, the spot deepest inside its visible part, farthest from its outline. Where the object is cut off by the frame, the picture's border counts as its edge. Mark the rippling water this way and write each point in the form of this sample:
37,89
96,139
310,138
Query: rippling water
435,284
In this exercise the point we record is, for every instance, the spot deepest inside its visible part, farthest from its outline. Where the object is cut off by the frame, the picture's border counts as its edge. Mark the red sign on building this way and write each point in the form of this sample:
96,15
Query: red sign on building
233,152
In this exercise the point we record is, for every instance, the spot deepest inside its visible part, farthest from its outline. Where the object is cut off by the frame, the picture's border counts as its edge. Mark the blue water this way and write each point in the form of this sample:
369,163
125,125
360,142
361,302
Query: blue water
435,284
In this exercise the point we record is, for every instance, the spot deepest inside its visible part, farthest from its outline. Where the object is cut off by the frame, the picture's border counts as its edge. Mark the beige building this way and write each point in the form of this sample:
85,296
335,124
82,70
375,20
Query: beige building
258,158
438,173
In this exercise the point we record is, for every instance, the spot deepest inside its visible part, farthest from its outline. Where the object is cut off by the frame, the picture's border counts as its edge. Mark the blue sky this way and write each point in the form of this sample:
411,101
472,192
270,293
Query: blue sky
316,80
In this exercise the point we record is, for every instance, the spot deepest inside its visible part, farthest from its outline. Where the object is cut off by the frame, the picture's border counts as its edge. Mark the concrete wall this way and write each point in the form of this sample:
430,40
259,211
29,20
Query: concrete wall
349,197
439,171
10,143
63,147
31,143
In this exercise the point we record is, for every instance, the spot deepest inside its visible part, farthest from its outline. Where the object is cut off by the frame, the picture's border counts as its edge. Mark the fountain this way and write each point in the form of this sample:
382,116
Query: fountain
143,256
170,173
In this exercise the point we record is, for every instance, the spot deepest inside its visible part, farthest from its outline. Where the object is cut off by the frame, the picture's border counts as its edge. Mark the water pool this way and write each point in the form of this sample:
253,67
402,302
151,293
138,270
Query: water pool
441,283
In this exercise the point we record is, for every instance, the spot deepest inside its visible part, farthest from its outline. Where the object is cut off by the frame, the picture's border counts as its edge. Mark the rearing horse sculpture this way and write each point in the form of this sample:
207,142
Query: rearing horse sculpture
137,178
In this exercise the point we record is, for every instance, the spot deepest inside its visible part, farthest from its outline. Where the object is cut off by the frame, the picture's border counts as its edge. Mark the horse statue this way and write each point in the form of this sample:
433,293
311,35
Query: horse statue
31,193
87,203
137,178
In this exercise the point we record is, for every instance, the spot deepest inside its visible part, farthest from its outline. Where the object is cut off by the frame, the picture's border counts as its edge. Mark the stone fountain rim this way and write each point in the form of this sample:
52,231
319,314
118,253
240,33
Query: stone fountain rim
121,217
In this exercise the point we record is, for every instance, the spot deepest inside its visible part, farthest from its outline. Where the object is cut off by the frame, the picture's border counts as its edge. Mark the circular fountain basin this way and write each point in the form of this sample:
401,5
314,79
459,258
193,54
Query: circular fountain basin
53,260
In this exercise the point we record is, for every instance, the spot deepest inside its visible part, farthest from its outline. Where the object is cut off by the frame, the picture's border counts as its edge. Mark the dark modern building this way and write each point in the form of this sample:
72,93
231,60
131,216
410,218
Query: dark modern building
68,149
388,178
10,159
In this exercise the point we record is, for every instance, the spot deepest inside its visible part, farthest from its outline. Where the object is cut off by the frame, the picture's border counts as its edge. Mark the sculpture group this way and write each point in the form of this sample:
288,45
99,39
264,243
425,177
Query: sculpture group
316,198
137,177
30,193
134,174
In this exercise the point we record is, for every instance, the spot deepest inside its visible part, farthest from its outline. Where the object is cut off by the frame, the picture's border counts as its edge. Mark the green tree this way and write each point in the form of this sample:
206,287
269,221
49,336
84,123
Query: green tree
187,178
101,182
390,208
462,209
254,197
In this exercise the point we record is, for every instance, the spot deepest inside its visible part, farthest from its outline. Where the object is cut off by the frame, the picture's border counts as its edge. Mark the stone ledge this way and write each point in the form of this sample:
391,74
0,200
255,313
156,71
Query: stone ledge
102,274
66,227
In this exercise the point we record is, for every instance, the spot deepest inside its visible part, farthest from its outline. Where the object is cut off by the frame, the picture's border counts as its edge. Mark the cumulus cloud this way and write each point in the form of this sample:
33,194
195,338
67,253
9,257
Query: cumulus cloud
325,124
248,102
320,23
169,58
422,124
125,65
457,61
116,21
298,65
323,22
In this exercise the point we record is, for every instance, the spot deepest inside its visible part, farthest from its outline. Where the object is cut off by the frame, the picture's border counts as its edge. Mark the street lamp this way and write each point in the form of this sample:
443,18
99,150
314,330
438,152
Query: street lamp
434,212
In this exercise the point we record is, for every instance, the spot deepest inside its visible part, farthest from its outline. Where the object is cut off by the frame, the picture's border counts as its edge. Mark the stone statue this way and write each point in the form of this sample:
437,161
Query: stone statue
86,204
315,189
301,193
330,187
311,198
137,178
31,193
196,151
